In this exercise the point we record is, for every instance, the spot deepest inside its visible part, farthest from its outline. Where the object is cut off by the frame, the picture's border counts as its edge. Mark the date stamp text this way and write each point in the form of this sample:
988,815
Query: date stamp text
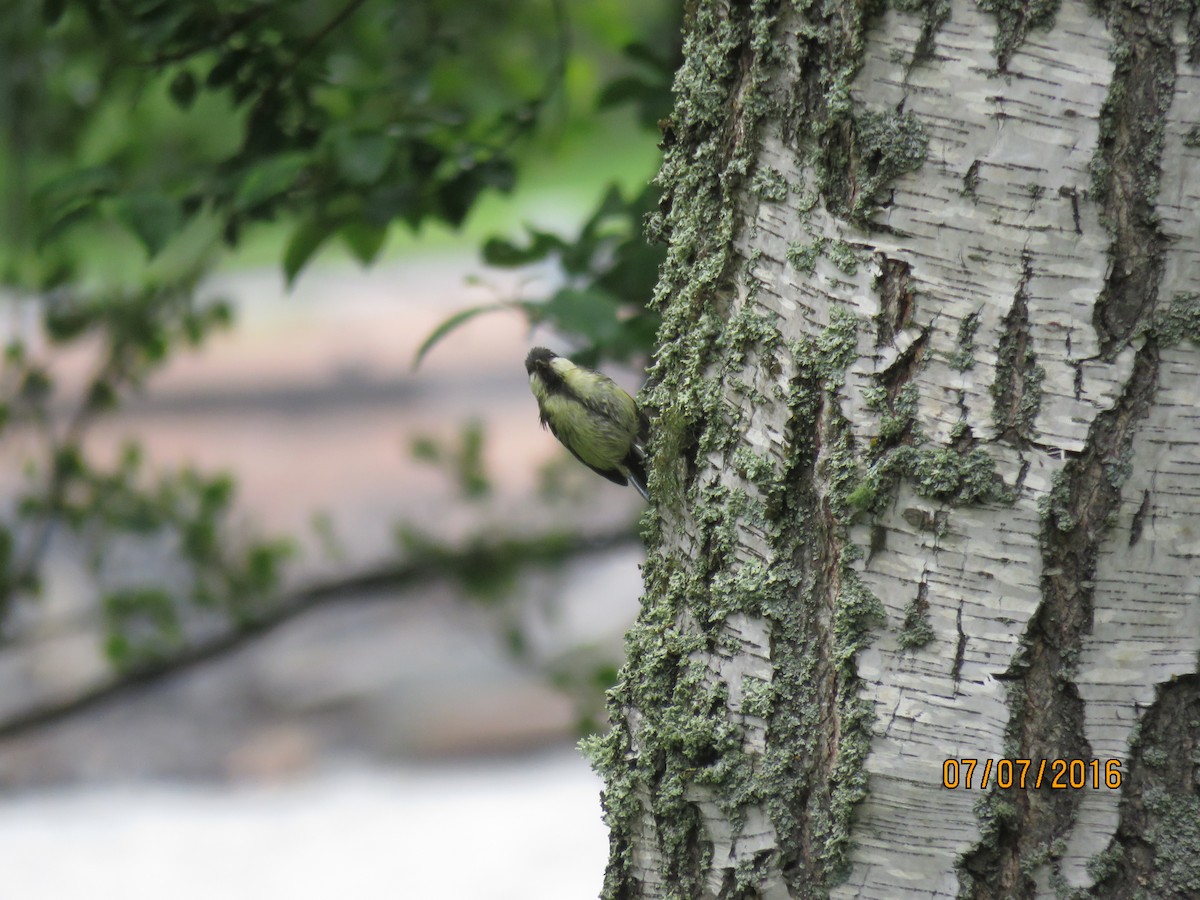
1056,774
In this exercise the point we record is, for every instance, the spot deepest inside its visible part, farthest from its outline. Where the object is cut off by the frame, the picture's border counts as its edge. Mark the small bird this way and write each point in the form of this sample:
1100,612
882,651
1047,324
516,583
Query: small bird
591,416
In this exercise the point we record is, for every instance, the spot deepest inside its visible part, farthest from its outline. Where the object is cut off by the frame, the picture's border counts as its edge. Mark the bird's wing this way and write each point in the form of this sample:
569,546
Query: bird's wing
609,403
611,474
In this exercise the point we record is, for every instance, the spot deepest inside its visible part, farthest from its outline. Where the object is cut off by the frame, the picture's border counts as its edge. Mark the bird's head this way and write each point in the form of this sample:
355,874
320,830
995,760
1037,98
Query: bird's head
547,371
539,360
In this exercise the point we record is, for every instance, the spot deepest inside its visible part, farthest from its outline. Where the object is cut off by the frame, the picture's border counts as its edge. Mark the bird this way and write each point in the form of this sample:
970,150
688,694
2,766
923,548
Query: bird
592,416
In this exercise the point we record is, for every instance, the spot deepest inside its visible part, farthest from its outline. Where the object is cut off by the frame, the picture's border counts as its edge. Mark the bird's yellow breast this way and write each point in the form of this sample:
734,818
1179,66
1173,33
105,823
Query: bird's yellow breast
598,440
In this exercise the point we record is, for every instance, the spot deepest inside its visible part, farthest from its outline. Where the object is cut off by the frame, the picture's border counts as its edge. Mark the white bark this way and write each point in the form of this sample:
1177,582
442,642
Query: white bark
1037,126
998,220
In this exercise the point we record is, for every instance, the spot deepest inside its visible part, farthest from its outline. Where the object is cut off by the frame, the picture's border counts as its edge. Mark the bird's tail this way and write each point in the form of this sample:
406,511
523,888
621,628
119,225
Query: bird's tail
636,465
636,460
638,480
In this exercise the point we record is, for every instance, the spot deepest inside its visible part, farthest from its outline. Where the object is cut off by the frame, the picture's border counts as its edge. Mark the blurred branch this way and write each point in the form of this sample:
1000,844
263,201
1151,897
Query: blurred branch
550,549
138,332
313,42
25,570
555,78
215,38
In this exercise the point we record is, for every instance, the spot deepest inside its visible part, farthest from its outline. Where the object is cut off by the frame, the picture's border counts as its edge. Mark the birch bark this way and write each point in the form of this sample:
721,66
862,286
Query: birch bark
927,458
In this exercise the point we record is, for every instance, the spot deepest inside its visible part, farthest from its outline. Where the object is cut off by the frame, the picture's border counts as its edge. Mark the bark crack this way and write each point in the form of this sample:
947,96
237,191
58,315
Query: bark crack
1139,518
1047,711
1156,849
1017,390
1073,195
1125,170
960,650
896,299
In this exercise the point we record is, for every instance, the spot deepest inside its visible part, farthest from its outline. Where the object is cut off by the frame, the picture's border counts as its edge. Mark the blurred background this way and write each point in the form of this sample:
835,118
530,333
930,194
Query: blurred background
294,592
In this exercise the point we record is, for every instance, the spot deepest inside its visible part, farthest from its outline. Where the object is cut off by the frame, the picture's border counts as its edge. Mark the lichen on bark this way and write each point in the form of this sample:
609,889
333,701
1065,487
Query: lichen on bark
891,446
676,746
711,751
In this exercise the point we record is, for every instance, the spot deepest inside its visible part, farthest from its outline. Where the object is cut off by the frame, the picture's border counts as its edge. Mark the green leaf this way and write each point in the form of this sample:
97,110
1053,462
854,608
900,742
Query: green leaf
457,196
217,492
52,11
65,320
613,205
589,314
507,255
450,324
148,613
647,55
36,386
101,396
118,651
426,449
86,182
269,179
304,242
225,68
636,334
498,173
183,89
71,198
69,462
363,158
648,91
471,471
364,240
387,201
261,574
628,87
152,216
634,271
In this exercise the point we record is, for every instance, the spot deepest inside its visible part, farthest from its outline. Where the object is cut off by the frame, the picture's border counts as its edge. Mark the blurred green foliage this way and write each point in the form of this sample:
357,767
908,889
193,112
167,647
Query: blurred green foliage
142,119
142,139
463,461
609,273
606,273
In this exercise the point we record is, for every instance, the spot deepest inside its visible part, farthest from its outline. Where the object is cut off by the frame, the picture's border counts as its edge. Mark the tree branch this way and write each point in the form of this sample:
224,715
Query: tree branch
312,43
544,550
208,41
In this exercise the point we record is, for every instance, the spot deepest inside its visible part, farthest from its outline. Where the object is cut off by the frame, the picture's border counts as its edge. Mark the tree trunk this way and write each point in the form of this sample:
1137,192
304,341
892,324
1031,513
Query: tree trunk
926,461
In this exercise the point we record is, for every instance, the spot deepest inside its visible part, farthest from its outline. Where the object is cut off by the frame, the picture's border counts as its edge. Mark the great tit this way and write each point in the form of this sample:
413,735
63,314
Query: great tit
591,416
